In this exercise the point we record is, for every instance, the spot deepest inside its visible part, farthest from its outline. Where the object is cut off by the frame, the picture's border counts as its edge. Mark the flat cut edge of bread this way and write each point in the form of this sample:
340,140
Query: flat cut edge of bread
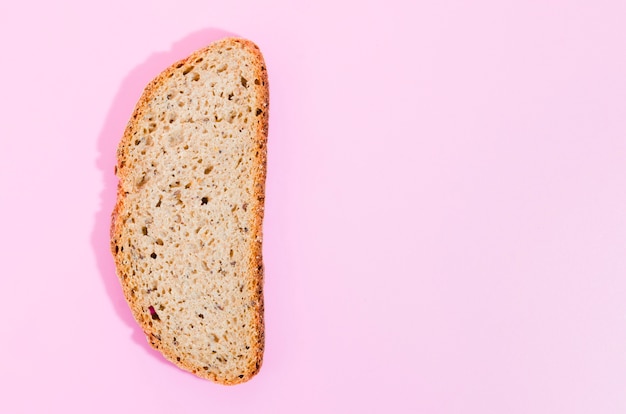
256,228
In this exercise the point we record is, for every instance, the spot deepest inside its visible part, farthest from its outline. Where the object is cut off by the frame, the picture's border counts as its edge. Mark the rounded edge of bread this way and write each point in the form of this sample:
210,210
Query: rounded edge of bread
256,230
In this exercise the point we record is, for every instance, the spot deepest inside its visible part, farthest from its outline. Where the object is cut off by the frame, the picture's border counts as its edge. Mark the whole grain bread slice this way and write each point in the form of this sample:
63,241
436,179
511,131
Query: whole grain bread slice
186,231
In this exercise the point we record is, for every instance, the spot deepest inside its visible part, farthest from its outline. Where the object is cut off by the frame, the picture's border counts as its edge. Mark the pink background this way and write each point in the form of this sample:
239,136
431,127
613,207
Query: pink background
446,206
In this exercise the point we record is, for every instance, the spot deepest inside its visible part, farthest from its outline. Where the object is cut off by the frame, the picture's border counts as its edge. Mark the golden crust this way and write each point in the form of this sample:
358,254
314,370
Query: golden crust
261,90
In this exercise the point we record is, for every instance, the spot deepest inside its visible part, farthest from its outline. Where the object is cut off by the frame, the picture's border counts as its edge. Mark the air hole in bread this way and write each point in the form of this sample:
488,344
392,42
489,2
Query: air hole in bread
142,181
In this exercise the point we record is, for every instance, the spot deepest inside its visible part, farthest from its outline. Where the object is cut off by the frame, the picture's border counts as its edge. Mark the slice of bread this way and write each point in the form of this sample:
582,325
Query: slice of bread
186,229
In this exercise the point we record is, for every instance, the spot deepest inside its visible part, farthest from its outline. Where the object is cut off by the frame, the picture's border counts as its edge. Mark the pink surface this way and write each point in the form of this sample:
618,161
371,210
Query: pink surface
446,207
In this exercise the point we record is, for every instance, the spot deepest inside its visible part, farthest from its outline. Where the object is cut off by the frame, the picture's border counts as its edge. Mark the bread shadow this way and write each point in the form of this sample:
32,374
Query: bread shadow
115,123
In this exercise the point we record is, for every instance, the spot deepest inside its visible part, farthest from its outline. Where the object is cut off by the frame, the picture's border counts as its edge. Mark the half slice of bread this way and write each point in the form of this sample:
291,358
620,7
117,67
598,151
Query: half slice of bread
186,229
